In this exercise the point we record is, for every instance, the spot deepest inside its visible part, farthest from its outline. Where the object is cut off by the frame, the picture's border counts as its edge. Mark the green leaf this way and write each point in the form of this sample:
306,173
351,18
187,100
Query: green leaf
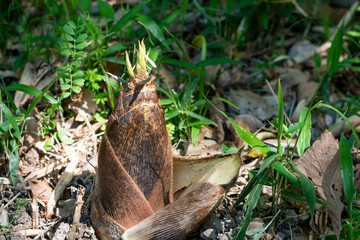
335,50
5,126
190,88
114,49
29,90
153,27
119,25
219,60
78,74
72,24
250,139
66,94
346,167
295,127
11,119
317,60
165,102
270,158
305,135
13,160
67,29
85,5
199,117
67,37
181,64
76,89
194,134
309,191
81,46
81,38
283,171
65,52
280,118
65,87
49,143
105,9
171,114
62,137
79,82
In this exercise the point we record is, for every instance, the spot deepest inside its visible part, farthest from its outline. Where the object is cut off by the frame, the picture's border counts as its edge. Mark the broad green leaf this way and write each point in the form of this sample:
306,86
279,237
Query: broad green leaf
335,51
119,25
65,87
65,52
30,90
76,89
105,9
165,102
81,46
219,60
298,197
194,134
78,74
81,38
250,139
305,134
67,37
67,29
79,82
346,167
62,137
295,127
72,24
11,119
153,27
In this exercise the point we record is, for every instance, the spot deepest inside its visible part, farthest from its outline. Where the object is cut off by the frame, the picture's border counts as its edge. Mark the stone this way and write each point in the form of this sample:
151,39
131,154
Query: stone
215,223
208,234
229,222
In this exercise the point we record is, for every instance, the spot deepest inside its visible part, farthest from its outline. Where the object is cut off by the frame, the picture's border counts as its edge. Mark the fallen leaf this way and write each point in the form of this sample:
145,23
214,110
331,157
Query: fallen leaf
40,189
306,91
321,163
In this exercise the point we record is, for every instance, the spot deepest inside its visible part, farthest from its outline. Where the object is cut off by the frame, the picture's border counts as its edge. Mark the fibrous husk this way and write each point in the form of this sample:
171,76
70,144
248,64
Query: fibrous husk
136,171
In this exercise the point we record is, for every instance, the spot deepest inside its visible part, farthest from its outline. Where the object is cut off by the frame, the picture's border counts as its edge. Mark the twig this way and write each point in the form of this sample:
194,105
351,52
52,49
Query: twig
77,214
9,202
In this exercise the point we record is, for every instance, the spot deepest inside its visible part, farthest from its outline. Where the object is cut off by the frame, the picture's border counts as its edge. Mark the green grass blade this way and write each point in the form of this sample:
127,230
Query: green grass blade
30,90
280,118
13,160
190,88
11,119
251,139
267,161
37,99
119,25
199,117
344,117
171,114
335,51
181,64
251,204
305,134
153,27
217,60
308,189
346,167
283,171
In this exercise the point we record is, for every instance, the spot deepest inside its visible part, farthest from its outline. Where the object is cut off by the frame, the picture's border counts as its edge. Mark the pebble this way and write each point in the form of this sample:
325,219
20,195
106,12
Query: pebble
229,222
208,234
215,223
61,231
225,236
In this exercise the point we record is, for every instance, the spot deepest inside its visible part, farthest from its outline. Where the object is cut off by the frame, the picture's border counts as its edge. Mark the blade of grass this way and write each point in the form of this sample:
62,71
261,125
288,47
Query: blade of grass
30,90
217,60
181,64
280,118
153,27
11,119
347,169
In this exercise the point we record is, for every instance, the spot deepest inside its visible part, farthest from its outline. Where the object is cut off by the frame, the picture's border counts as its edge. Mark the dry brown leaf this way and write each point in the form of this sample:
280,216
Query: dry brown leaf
40,189
321,164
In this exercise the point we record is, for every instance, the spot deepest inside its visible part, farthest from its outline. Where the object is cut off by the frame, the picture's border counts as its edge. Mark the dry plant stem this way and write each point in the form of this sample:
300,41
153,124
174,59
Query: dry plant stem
46,170
77,214
61,185
35,211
